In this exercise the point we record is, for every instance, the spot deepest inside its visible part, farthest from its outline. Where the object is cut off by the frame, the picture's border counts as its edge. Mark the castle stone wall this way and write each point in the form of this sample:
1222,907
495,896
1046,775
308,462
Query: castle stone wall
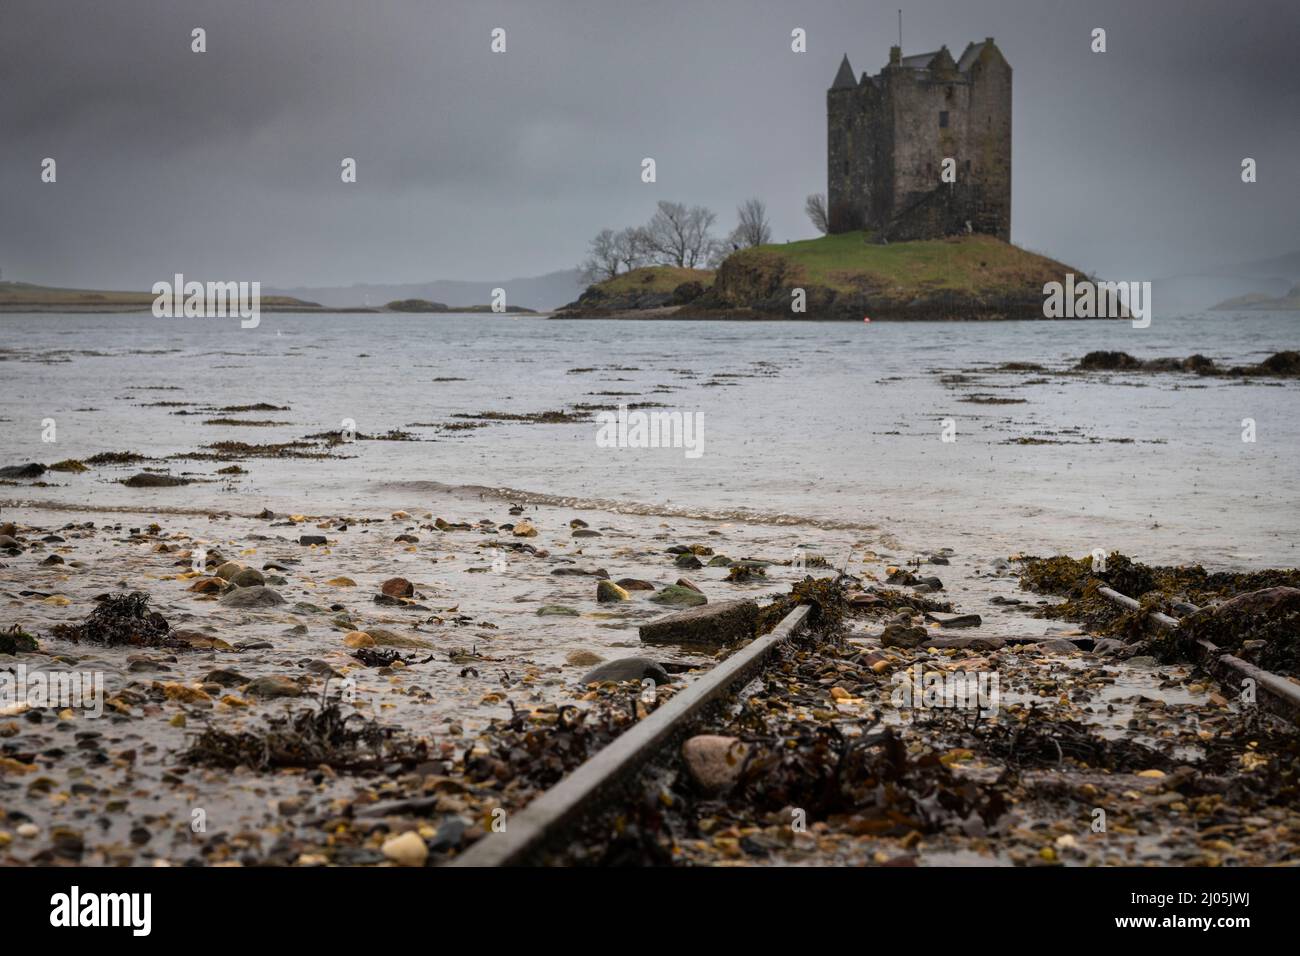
886,146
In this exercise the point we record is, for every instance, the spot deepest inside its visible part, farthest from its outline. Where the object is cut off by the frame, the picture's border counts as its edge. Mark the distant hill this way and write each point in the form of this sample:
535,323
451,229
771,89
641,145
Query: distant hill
1256,302
424,306
25,297
843,276
542,293
1270,278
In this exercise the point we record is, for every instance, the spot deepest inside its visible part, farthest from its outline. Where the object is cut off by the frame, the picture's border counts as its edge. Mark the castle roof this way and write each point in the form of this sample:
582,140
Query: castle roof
919,61
939,62
844,78
971,54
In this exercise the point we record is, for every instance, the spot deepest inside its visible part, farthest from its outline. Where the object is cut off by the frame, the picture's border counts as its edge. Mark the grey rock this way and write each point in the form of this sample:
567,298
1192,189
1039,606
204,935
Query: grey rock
675,594
954,620
226,678
627,668
901,635
714,762
248,578
271,687
256,596
710,625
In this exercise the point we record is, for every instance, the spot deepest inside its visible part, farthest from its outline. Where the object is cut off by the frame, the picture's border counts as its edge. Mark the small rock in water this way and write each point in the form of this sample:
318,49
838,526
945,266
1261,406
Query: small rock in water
30,470
272,687
901,635
607,591
628,668
954,620
583,658
248,578
386,638
556,610
309,539
397,588
1108,645
688,562
257,596
226,678
675,594
358,639
635,584
525,529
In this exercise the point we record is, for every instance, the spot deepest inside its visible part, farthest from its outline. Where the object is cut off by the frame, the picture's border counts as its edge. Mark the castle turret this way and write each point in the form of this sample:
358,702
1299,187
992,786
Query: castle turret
844,78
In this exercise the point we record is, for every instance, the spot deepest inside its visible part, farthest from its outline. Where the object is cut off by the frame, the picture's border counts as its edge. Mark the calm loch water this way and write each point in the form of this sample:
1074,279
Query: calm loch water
837,425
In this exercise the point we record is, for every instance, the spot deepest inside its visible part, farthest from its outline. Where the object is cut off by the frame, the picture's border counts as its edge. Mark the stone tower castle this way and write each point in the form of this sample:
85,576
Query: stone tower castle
888,136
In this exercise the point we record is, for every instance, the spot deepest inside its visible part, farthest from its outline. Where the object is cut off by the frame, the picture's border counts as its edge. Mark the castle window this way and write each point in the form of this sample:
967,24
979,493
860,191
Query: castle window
968,165
943,119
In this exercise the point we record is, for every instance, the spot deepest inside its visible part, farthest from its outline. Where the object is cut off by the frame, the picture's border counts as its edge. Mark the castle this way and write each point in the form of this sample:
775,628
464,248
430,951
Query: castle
889,136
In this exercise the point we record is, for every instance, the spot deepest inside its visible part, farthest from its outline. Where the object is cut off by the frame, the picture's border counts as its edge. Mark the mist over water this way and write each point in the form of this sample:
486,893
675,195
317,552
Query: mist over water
831,425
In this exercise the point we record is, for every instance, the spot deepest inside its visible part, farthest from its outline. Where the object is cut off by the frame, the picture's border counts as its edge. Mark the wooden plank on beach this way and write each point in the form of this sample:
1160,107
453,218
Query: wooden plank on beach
539,823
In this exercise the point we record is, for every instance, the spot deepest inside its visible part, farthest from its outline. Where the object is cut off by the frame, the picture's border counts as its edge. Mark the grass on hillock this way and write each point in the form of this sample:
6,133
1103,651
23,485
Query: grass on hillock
654,279
851,262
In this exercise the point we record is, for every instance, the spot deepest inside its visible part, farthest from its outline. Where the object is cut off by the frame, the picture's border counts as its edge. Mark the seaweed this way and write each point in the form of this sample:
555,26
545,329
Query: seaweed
1257,606
123,619
1041,740
309,738
1262,624
827,597
531,752
382,657
15,640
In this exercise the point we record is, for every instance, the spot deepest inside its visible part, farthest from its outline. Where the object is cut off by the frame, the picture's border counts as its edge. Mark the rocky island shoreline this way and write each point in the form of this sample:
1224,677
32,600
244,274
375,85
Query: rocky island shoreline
845,277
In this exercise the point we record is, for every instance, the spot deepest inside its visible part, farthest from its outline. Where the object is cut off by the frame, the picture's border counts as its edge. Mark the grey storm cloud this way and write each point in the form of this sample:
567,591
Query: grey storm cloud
480,165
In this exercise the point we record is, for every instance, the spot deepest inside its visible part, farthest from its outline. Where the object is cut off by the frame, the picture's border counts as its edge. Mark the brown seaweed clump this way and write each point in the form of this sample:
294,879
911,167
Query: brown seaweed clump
740,573
15,640
531,752
1262,626
122,619
310,738
827,597
1255,611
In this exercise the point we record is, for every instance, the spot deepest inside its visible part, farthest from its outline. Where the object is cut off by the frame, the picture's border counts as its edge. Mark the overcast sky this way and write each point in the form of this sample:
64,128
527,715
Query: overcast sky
474,165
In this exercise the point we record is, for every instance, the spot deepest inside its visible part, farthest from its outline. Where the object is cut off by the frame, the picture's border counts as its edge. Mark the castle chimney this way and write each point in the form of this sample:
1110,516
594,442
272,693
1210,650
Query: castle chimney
895,55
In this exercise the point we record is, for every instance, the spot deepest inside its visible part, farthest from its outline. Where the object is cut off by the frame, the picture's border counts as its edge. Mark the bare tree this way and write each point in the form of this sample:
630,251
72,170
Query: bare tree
700,245
603,259
631,247
815,207
753,228
677,236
